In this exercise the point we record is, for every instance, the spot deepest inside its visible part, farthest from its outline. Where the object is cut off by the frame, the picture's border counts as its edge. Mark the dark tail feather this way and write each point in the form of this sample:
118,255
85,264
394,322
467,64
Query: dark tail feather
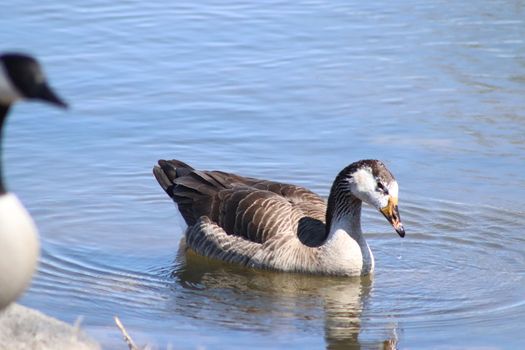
192,190
169,170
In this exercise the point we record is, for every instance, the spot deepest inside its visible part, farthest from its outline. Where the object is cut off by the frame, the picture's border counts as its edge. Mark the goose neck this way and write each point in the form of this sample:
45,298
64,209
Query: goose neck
344,210
345,251
347,216
4,109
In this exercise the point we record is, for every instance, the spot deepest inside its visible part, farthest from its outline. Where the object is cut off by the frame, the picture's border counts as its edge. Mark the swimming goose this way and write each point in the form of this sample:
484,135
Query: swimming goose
20,78
271,225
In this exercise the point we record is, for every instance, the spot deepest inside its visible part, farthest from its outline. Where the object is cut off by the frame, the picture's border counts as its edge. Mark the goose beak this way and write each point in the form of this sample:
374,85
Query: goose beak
45,93
391,213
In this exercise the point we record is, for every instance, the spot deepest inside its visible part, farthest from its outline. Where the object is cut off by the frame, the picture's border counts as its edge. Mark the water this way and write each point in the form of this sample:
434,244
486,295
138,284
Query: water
291,92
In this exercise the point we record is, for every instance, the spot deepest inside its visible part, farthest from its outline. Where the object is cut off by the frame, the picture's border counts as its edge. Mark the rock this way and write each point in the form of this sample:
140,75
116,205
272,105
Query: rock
22,328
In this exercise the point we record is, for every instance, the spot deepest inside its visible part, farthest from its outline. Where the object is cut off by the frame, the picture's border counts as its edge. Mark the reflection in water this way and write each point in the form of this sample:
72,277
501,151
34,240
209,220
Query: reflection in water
417,288
285,296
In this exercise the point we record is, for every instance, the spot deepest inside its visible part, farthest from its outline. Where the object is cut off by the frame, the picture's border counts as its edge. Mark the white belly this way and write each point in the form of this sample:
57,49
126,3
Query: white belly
19,249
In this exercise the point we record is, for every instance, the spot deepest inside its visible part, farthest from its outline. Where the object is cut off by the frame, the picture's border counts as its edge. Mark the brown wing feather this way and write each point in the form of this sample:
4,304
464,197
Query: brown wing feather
254,209
209,239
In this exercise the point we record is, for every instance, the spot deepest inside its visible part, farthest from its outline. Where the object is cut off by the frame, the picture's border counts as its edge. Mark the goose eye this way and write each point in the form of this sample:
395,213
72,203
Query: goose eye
381,188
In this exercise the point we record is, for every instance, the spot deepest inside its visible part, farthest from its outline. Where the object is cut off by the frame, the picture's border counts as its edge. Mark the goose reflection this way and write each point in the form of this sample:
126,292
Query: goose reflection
255,300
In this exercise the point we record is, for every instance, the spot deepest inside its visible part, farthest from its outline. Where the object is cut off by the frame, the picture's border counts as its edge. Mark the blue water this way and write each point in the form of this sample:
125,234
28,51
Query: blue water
290,91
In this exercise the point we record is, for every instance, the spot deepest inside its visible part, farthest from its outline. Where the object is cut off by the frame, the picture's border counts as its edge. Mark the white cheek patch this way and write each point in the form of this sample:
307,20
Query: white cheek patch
364,182
8,93
364,187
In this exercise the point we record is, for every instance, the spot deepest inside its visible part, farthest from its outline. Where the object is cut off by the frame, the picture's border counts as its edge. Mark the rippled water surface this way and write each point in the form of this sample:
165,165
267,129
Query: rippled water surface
291,91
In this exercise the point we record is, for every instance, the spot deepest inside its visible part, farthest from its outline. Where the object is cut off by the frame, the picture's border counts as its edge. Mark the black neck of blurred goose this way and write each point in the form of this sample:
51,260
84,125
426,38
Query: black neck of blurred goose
343,207
3,116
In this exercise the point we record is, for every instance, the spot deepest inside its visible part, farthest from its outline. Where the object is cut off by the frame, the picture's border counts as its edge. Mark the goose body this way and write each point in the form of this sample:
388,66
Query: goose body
20,78
271,225
19,248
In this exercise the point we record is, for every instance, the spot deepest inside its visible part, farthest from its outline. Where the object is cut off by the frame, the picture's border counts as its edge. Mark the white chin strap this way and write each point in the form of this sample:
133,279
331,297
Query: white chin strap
8,93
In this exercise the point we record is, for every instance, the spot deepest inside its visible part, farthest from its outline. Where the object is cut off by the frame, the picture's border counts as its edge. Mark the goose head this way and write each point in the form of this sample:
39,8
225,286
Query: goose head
21,77
371,182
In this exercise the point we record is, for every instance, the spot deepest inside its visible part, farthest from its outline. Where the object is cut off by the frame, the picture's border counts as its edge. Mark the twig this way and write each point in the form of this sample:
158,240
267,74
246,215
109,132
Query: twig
127,338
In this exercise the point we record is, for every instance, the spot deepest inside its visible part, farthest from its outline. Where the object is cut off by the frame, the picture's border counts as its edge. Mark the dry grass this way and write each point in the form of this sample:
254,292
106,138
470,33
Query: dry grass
127,337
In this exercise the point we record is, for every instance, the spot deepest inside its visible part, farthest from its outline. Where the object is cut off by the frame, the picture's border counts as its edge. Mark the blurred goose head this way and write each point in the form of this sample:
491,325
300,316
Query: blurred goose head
21,77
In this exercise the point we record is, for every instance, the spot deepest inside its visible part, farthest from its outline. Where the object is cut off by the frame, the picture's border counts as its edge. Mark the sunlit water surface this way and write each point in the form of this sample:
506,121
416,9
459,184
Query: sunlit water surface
291,91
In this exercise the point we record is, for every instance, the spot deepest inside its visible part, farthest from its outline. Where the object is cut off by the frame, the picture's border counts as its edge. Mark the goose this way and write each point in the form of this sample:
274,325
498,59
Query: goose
270,225
21,77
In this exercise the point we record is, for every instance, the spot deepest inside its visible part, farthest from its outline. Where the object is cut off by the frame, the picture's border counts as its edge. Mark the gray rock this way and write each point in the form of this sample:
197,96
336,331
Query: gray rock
22,328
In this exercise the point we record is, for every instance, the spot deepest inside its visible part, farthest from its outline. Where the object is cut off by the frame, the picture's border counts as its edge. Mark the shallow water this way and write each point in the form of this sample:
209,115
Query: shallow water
292,92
